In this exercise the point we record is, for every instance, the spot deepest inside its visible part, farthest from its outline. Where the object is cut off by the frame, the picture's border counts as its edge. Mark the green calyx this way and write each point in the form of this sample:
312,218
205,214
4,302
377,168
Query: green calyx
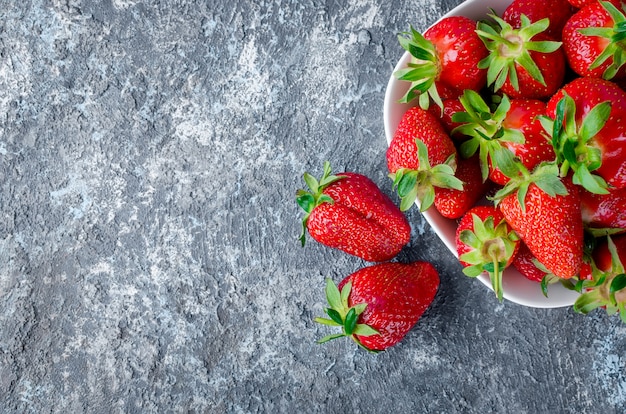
492,245
550,278
573,144
606,289
575,283
341,314
420,184
616,47
487,134
509,47
308,200
545,176
422,71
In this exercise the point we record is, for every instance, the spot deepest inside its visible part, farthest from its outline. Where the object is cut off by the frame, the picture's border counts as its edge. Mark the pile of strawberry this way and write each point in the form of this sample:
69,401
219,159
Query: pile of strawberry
517,129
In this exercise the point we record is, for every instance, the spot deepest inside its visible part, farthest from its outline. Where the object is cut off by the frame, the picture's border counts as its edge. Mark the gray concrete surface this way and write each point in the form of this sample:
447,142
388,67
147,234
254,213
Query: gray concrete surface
149,156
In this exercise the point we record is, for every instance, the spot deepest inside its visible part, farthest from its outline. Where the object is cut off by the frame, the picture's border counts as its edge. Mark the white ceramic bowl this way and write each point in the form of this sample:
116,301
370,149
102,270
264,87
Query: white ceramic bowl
516,287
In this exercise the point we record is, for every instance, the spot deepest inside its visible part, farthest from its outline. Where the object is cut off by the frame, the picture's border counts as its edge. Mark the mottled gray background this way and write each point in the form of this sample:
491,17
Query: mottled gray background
149,156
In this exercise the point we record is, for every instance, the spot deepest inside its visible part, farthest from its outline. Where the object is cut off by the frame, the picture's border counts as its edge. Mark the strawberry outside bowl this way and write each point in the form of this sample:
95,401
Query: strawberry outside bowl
516,288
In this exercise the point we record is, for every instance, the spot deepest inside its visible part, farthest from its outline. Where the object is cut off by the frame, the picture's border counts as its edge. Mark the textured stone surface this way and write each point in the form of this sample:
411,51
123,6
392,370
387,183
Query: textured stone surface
149,155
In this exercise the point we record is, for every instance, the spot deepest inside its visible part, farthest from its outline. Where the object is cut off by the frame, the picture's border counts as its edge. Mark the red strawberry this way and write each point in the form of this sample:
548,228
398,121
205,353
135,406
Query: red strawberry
544,210
607,288
604,211
486,243
453,203
524,263
511,131
377,306
593,40
421,156
602,257
557,11
588,132
579,4
350,213
448,53
528,265
450,107
524,62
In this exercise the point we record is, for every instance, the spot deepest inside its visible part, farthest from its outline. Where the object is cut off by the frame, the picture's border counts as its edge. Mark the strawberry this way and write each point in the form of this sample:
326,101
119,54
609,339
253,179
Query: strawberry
593,40
586,123
510,131
604,211
350,213
545,212
579,4
452,203
556,11
486,243
421,156
607,288
445,57
602,257
450,107
377,305
525,263
523,62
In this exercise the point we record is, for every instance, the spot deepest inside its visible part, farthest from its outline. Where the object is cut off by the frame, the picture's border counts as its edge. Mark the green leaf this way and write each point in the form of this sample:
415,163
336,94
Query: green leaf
408,200
328,322
469,238
362,329
407,183
551,184
335,316
332,295
505,161
605,32
324,198
469,147
521,196
360,308
306,201
422,154
345,294
617,265
595,120
592,183
547,46
473,271
311,182
447,180
618,283
547,124
329,338
587,302
426,197
350,321
531,67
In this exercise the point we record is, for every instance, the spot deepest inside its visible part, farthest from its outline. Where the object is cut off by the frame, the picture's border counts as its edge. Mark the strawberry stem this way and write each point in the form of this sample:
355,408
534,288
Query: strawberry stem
422,71
343,315
420,184
606,289
573,144
308,200
509,47
492,246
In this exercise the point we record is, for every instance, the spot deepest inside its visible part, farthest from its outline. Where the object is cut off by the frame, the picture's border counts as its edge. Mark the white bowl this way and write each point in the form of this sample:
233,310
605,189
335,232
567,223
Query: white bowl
516,287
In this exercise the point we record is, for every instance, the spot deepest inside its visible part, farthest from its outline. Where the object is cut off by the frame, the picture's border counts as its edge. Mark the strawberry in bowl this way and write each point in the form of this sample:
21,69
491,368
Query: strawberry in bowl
532,149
